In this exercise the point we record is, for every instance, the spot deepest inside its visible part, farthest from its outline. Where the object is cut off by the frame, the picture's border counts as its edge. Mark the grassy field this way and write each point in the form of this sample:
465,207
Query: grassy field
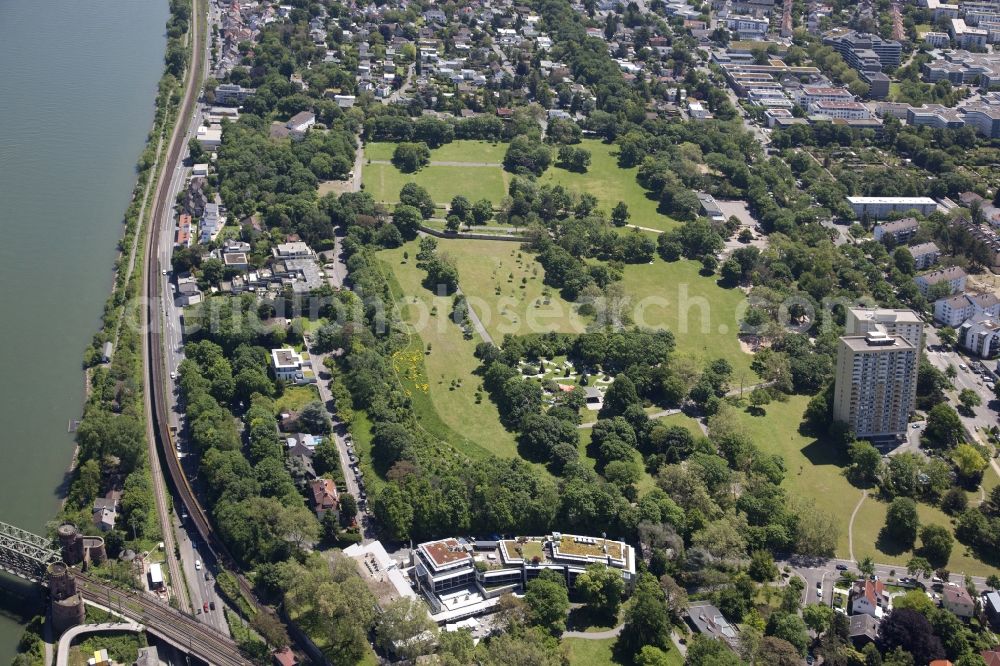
871,519
296,397
701,315
586,652
385,181
610,184
504,286
456,151
682,420
441,382
813,471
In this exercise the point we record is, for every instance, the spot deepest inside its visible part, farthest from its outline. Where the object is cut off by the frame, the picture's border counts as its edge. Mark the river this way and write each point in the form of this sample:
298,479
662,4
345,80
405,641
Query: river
77,86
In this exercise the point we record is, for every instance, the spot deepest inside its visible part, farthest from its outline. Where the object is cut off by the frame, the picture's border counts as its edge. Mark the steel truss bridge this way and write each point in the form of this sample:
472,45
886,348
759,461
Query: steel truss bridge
24,554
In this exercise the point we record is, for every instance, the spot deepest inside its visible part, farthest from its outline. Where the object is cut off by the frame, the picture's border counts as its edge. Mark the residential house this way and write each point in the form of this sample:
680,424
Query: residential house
324,496
106,512
954,276
290,366
210,138
863,630
300,123
708,620
870,598
899,231
991,607
952,311
991,657
958,600
284,657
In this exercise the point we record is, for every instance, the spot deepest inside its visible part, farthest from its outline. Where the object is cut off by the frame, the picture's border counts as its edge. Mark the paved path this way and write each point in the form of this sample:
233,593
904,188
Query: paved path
477,323
850,525
450,163
594,635
62,657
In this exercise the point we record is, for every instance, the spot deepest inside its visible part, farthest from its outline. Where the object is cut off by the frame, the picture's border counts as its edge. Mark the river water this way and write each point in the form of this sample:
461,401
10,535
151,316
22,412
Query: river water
77,86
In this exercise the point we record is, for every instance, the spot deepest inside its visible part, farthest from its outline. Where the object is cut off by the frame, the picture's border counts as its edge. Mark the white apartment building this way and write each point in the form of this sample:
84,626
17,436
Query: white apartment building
925,255
841,110
810,94
880,207
952,311
904,323
899,230
290,366
953,275
876,384
981,336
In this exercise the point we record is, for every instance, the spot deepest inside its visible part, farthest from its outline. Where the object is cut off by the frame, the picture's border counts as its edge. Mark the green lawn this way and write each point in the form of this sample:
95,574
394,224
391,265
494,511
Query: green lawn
682,420
701,315
456,151
586,652
441,383
871,520
296,397
385,181
813,470
610,184
488,267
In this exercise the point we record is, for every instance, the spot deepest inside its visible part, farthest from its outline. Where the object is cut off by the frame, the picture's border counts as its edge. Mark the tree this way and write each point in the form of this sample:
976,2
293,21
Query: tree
866,462
410,157
652,656
314,419
646,621
708,651
574,159
524,155
947,334
416,196
936,542
759,397
548,601
270,629
775,651
969,399
405,628
817,530
969,462
911,631
619,396
817,617
944,428
919,566
789,627
620,215
407,219
902,522
602,587
482,211
762,568
348,507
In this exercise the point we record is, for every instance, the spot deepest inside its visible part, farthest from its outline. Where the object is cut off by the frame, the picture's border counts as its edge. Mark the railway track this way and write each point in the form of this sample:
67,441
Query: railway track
172,625
155,359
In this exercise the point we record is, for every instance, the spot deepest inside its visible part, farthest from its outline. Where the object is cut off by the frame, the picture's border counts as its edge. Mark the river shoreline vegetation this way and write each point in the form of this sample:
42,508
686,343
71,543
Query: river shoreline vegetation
111,441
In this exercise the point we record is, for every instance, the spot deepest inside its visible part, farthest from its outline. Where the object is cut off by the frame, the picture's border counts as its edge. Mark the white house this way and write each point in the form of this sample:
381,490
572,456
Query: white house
879,207
952,311
210,138
871,598
290,366
300,123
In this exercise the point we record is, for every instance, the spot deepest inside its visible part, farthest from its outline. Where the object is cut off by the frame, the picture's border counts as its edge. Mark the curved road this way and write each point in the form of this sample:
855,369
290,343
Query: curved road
62,657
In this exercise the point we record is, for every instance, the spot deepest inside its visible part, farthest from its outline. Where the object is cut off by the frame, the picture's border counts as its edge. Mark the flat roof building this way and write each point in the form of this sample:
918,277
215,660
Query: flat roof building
876,384
880,207
904,323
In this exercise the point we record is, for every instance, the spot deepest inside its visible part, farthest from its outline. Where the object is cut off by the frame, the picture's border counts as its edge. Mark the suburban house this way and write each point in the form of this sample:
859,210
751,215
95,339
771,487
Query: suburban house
708,620
290,366
870,598
899,231
105,513
952,311
300,123
958,601
863,630
953,275
210,138
991,657
324,496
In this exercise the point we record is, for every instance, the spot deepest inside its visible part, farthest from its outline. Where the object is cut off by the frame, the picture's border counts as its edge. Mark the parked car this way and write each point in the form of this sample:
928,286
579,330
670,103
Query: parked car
197,565
841,567
211,604
204,606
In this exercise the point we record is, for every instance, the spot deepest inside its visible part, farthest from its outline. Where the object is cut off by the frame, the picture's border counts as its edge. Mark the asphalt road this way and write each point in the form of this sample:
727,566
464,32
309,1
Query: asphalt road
983,416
